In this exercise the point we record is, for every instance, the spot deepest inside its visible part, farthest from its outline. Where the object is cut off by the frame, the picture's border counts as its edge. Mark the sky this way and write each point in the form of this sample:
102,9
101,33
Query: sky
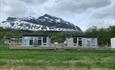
83,13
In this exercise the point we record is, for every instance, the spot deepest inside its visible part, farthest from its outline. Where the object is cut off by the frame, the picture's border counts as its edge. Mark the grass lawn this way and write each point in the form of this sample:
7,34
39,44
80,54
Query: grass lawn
55,59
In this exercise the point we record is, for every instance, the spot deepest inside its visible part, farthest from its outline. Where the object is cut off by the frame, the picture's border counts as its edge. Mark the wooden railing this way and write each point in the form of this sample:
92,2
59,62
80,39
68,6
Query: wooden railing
58,46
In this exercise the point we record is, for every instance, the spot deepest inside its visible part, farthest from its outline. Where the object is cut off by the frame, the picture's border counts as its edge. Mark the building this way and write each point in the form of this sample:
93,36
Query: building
113,42
82,41
13,41
32,40
43,40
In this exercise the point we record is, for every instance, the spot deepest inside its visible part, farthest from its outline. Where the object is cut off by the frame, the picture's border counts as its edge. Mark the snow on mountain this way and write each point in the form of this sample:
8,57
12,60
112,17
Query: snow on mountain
42,23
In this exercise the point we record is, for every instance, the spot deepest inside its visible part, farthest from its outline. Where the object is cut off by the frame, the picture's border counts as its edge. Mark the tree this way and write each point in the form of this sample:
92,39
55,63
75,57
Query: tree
104,34
2,33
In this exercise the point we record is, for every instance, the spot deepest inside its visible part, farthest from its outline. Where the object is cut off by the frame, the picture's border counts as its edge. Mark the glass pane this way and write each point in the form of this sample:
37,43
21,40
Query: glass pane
39,42
93,41
44,40
75,40
80,42
31,42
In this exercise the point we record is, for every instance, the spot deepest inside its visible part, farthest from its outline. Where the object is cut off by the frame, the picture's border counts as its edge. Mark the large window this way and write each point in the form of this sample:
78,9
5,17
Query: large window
39,42
44,39
79,41
31,42
93,41
75,40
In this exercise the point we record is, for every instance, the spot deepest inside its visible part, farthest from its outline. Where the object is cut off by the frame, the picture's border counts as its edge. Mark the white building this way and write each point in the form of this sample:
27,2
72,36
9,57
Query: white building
112,42
36,40
82,41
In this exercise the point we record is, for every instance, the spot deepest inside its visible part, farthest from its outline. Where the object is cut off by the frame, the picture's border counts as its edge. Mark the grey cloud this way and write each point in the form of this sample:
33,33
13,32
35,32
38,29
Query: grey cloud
67,9
21,7
16,8
18,11
106,12
94,3
35,2
77,6
101,22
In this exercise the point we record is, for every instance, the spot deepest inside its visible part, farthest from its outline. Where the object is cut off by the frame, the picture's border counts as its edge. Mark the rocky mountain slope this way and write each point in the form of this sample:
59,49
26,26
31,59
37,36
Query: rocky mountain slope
42,23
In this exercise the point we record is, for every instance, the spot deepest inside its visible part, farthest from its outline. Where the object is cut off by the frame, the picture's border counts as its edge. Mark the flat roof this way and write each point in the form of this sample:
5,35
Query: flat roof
86,36
33,34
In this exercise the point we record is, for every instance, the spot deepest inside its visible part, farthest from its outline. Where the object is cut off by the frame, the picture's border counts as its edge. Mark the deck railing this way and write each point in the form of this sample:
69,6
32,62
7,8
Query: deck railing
58,46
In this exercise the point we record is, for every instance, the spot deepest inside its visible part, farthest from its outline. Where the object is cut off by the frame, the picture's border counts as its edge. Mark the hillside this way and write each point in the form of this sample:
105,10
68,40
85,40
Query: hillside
42,23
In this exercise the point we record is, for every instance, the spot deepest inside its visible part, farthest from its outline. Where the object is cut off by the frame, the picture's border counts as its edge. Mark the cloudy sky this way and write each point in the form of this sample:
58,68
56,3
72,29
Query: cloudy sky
83,13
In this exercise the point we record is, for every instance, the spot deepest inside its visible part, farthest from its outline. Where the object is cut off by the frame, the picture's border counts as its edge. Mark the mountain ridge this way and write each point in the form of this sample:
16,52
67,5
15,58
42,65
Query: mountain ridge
42,23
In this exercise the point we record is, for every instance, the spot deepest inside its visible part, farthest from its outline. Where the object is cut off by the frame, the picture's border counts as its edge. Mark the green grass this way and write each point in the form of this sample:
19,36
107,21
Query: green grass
56,58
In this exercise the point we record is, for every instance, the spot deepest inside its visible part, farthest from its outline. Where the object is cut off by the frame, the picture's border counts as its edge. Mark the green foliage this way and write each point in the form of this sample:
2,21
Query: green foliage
58,37
3,63
2,33
81,64
104,34
4,47
52,58
7,33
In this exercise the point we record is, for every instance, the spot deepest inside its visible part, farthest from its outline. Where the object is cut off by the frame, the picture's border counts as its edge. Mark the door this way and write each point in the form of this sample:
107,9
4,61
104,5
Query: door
31,42
79,41
44,41
39,42
75,41
35,42
88,43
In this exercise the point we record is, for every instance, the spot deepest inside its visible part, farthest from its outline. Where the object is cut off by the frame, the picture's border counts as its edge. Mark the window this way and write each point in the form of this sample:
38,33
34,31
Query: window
39,42
93,41
75,40
88,43
39,38
79,41
31,42
44,39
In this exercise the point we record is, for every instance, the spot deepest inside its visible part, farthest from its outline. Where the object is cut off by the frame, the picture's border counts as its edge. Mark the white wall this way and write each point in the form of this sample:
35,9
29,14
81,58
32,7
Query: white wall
112,42
92,42
25,41
89,42
69,42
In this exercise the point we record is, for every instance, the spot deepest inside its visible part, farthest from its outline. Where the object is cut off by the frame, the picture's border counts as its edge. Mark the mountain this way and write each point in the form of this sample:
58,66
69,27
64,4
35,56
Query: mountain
42,23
